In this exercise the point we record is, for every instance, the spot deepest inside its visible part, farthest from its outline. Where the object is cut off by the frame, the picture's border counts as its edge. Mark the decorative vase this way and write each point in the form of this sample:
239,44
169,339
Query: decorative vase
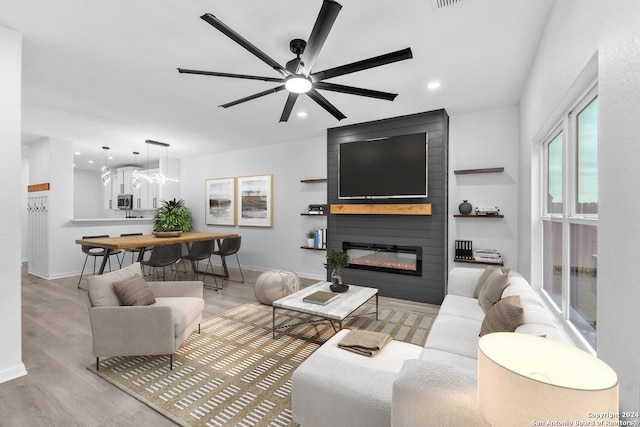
336,277
311,243
336,281
465,207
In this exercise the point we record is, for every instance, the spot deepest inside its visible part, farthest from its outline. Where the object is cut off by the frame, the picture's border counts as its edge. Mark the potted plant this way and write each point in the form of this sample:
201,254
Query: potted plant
311,238
335,261
172,218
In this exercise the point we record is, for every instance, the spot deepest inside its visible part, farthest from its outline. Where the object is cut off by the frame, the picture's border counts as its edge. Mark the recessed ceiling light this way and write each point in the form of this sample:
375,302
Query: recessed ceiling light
110,157
433,85
77,153
302,114
90,161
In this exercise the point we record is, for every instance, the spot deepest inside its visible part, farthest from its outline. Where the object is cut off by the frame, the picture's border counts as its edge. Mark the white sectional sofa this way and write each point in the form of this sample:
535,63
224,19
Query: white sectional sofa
405,384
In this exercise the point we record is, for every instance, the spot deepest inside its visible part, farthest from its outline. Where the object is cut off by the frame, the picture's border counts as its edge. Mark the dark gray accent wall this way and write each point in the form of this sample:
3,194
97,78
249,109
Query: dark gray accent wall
428,232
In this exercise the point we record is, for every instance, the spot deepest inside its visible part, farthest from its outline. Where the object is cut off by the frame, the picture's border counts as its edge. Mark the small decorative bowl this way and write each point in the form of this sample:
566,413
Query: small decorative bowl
167,233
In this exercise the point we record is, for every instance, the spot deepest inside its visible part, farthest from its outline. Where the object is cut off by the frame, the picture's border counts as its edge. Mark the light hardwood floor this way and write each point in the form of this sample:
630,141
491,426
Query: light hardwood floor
56,348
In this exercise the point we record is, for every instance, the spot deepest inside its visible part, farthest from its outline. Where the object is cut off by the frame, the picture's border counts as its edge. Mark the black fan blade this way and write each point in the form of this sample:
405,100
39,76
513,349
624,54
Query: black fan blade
355,91
313,94
324,22
365,64
243,42
235,76
249,98
291,100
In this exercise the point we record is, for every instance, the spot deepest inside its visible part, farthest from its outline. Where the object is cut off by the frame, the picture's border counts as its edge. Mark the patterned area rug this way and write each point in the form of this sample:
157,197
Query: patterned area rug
233,373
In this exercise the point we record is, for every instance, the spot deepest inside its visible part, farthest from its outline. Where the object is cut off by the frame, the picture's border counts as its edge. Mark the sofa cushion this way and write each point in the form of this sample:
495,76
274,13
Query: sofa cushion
134,291
482,280
101,293
464,362
184,310
505,316
491,293
357,389
455,305
455,334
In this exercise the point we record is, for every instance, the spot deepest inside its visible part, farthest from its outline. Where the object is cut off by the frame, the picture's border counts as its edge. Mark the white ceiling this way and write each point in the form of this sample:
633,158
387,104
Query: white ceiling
104,73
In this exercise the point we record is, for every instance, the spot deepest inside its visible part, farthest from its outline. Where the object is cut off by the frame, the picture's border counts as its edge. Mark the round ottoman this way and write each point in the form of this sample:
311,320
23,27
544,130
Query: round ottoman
275,284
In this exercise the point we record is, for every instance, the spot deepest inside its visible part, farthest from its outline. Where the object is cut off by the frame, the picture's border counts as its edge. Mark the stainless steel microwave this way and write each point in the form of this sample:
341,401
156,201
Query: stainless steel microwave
125,201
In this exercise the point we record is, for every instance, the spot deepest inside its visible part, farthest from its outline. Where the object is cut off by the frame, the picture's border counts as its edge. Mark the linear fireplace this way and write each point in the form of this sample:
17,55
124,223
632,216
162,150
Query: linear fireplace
386,258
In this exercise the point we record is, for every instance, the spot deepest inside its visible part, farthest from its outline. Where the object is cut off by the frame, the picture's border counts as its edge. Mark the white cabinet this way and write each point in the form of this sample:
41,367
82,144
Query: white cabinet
124,178
150,192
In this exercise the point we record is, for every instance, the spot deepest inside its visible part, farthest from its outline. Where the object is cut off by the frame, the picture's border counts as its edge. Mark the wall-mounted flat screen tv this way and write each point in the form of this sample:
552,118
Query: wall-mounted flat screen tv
384,168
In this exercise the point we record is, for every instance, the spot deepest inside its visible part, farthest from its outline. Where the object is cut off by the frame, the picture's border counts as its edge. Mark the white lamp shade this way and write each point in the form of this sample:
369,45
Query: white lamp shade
524,378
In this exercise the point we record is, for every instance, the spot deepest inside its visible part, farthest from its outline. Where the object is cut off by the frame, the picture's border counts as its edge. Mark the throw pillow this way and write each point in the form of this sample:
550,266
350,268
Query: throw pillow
505,316
134,291
492,291
482,280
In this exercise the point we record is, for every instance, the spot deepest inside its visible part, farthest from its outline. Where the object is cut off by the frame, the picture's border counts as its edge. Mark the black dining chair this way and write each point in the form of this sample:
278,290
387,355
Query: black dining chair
96,252
199,251
230,246
164,256
133,251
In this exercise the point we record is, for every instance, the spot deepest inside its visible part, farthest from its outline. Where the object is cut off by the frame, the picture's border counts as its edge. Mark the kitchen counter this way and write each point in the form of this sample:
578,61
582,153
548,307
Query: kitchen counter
111,220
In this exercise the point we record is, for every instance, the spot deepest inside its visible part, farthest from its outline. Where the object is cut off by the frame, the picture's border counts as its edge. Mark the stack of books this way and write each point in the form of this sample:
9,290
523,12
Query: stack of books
320,240
487,255
464,249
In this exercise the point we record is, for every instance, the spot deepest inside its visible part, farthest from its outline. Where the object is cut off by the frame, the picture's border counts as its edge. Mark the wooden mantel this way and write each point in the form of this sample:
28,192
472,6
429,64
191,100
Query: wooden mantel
382,209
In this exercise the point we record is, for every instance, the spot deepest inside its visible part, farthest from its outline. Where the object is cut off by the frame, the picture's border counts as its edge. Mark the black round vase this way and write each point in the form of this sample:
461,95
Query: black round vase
465,207
339,288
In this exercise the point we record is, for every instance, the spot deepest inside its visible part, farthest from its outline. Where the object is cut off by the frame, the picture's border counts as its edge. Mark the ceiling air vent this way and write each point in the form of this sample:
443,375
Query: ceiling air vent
440,4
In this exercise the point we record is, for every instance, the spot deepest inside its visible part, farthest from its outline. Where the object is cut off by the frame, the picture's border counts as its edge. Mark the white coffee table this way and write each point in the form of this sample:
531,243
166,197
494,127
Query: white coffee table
335,311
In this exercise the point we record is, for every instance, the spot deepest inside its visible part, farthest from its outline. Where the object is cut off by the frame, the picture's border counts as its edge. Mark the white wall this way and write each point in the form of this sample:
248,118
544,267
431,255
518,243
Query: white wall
485,139
578,30
277,247
11,365
88,191
24,182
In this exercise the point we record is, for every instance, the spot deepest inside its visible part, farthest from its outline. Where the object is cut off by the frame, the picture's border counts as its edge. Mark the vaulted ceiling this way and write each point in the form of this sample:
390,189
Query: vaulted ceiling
104,73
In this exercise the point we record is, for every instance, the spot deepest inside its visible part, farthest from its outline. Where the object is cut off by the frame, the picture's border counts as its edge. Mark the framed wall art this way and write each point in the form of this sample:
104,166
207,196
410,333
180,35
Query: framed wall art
255,201
220,201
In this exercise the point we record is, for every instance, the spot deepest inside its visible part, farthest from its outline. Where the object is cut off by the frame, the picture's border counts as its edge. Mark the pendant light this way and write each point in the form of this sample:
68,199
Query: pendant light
106,172
135,175
159,177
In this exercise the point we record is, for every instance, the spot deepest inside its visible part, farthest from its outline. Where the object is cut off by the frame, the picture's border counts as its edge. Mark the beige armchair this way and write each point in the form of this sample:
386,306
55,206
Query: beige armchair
159,328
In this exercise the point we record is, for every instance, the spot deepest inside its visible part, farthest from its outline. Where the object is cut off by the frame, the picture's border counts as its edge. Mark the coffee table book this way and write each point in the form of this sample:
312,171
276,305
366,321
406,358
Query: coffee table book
320,297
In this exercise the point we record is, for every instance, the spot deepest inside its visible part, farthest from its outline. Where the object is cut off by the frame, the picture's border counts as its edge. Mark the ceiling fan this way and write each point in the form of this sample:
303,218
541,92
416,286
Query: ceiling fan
297,76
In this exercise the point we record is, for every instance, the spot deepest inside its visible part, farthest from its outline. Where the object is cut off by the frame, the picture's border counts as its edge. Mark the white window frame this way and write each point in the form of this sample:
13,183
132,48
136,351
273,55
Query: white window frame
568,126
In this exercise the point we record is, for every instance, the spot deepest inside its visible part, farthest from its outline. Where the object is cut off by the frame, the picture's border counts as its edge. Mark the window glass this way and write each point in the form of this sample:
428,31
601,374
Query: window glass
584,279
553,261
587,158
554,175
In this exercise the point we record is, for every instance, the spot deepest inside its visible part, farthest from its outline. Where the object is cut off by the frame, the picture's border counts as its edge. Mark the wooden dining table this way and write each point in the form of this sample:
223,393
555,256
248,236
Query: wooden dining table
112,244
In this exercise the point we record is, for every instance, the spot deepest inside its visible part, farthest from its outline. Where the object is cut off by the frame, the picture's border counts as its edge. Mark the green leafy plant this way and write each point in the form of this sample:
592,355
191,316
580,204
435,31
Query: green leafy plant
337,259
311,234
173,215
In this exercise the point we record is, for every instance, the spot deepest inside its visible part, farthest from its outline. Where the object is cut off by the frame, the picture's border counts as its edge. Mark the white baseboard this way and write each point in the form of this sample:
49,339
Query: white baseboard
12,373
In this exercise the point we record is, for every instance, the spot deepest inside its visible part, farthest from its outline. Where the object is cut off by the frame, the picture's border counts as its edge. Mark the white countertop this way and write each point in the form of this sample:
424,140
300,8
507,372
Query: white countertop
147,219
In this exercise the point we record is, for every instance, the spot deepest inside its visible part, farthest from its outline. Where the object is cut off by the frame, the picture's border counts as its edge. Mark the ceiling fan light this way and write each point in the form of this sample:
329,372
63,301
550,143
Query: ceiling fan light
298,84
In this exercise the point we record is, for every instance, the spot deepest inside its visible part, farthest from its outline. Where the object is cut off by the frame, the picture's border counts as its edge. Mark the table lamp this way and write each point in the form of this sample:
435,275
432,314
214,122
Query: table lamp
525,379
